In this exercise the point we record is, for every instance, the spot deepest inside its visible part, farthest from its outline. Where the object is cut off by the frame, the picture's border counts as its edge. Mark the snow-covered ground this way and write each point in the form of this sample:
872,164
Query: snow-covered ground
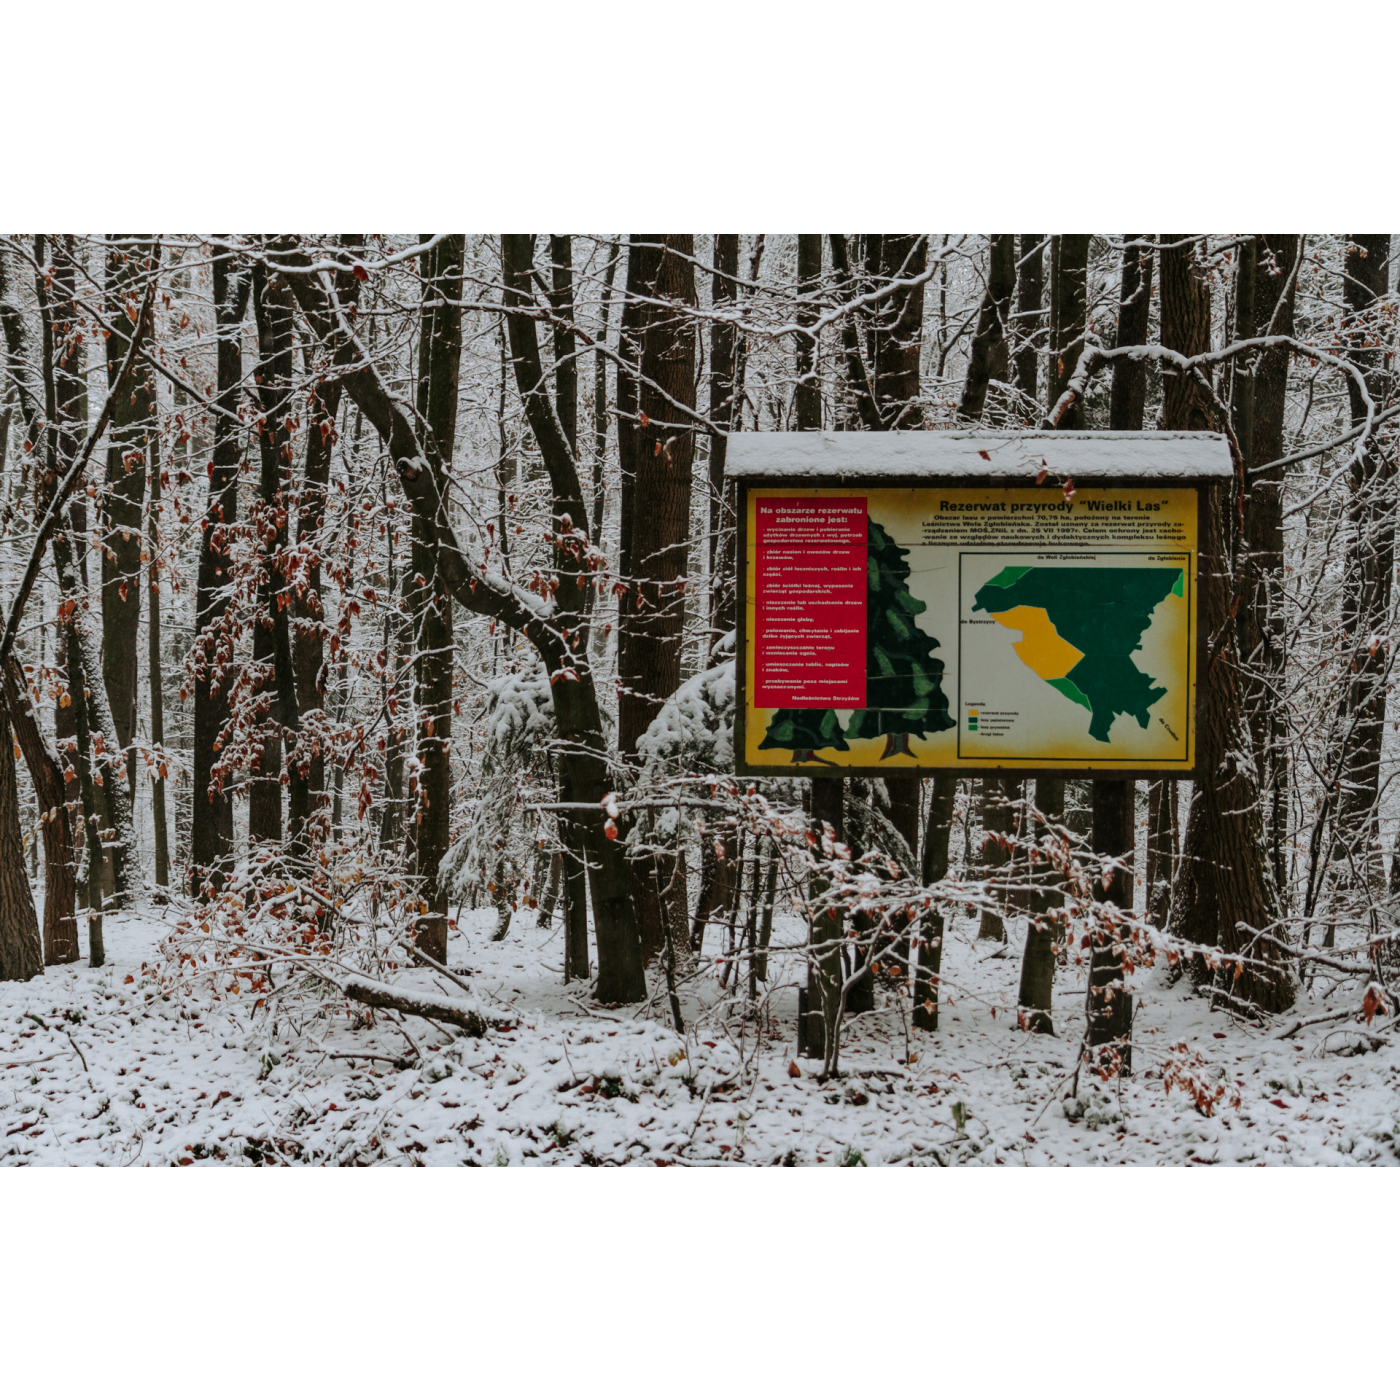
97,1068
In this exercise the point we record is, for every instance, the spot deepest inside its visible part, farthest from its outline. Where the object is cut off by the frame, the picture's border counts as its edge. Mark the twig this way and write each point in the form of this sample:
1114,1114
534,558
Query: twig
76,1051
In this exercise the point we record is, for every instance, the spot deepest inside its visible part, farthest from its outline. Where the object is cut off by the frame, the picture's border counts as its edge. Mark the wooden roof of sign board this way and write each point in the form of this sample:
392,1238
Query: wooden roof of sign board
1016,457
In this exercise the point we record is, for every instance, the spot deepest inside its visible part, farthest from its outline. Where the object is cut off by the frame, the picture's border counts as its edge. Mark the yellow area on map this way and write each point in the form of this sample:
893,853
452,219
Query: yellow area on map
1041,648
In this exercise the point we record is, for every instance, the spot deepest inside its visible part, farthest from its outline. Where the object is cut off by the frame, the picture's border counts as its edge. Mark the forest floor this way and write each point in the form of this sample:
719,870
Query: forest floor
97,1068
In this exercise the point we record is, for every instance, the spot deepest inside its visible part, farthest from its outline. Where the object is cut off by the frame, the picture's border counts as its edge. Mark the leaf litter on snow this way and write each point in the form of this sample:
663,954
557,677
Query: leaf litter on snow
102,1067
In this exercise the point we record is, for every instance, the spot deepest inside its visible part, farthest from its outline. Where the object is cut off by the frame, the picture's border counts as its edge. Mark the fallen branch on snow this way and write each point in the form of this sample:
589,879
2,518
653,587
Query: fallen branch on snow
426,1004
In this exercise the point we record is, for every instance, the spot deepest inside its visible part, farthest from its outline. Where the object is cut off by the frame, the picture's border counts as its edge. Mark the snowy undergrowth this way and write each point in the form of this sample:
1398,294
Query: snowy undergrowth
99,1068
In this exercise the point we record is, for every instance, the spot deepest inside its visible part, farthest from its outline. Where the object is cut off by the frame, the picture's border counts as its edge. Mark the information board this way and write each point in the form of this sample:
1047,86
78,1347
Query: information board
1025,628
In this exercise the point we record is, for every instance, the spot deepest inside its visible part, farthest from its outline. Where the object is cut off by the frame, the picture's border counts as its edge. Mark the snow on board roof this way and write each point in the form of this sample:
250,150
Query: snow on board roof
1150,456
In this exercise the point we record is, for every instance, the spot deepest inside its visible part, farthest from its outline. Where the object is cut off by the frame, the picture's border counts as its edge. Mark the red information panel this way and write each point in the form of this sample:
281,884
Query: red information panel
809,602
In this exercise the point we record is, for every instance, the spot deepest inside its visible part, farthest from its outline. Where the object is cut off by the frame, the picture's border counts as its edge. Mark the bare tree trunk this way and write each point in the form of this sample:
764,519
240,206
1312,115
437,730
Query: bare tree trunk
1030,313
55,821
433,823
1225,894
274,309
1069,264
211,818
133,434
155,676
1369,577
1109,1005
21,952
649,648
1035,994
935,868
989,358
1276,282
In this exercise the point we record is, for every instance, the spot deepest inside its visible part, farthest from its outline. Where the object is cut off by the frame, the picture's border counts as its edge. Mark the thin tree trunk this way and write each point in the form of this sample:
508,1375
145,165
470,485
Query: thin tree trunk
21,952
55,821
931,932
1109,1006
1276,283
1128,397
1037,986
1030,313
819,1031
989,357
155,672
1069,264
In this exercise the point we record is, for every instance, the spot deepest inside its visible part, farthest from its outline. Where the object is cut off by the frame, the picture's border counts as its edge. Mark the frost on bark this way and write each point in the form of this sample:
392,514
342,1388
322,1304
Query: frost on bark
1225,897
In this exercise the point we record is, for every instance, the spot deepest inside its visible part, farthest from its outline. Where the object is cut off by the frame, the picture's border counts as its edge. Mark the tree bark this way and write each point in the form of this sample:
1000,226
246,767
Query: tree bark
1109,1006
1276,281
649,648
1069,273
989,357
1030,313
273,308
155,670
1369,576
1225,894
55,821
211,818
132,435
1128,397
819,1035
1036,991
433,608
21,952
935,868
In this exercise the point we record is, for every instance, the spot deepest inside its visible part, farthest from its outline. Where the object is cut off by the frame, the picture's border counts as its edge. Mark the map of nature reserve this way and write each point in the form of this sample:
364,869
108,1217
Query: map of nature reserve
970,627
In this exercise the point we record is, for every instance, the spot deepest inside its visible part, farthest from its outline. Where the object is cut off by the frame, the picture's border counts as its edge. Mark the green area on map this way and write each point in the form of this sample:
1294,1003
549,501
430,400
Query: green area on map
1080,628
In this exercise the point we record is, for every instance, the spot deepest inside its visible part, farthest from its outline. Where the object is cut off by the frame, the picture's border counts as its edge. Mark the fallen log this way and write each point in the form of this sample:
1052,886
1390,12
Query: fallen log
426,1004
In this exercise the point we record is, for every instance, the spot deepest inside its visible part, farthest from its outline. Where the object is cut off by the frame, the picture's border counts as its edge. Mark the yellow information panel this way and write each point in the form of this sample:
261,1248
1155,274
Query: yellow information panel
970,627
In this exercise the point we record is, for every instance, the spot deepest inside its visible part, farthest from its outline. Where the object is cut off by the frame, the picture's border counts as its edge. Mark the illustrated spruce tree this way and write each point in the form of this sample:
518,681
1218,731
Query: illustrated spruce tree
804,732
904,696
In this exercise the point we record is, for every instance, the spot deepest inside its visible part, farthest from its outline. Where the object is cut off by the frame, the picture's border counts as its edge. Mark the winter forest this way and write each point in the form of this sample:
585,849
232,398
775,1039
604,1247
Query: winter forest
367,774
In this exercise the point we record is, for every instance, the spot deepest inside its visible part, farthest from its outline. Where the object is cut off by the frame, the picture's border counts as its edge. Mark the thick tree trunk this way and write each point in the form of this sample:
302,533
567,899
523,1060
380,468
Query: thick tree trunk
211,817
649,649
274,309
433,612
1368,580
133,434
1225,894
